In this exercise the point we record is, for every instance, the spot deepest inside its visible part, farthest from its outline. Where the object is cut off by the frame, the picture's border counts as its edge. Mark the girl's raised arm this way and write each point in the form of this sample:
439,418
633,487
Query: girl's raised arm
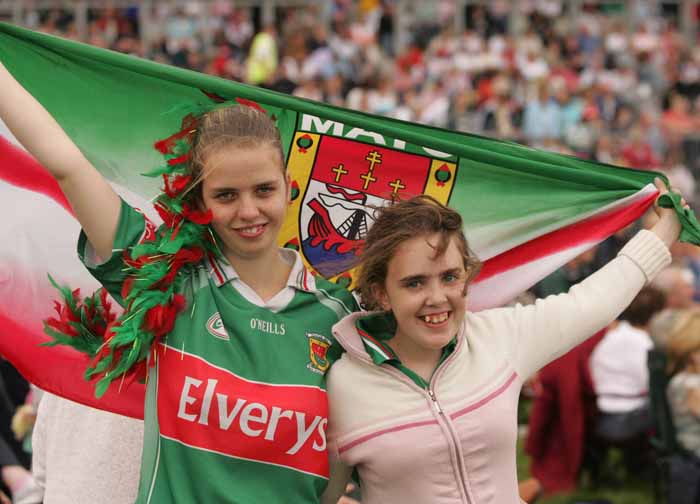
94,202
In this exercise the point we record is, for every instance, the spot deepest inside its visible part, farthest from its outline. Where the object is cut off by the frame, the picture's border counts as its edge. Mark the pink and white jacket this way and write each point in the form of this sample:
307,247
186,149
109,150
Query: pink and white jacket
455,441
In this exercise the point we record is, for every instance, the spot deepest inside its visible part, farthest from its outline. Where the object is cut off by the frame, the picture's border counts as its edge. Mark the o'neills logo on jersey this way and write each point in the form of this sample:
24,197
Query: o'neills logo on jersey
206,407
216,328
268,327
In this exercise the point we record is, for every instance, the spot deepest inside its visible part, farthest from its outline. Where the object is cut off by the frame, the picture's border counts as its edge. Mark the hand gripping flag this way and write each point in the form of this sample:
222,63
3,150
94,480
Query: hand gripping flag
526,212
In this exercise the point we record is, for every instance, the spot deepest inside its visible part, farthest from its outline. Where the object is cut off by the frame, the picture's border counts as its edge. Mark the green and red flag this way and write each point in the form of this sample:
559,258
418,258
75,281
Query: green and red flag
526,212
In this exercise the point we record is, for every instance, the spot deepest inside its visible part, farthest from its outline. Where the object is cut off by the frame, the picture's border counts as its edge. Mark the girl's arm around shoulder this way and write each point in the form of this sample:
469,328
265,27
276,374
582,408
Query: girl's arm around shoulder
552,326
339,476
93,200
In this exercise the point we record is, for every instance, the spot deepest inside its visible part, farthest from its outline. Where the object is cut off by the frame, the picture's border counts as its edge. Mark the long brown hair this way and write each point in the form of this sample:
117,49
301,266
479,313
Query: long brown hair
401,221
235,125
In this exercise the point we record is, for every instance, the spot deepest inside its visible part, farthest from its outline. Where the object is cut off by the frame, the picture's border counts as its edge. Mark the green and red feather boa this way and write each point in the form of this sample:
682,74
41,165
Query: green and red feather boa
120,347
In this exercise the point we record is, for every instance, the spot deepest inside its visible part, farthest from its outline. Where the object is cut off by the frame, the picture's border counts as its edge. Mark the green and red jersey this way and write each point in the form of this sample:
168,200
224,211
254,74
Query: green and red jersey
236,407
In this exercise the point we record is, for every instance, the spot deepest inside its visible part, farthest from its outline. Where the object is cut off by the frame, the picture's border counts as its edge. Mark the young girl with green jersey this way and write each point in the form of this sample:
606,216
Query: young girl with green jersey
423,404
236,330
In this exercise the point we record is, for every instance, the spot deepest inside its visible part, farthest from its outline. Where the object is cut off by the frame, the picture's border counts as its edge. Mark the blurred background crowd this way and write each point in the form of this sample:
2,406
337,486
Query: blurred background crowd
616,82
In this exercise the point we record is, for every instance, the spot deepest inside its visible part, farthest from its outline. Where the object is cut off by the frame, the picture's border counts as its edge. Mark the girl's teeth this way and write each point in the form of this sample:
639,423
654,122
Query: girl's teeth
251,230
435,319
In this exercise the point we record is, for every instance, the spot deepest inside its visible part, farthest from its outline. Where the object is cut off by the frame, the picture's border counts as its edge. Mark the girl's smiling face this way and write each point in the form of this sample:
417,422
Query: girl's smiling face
427,294
247,191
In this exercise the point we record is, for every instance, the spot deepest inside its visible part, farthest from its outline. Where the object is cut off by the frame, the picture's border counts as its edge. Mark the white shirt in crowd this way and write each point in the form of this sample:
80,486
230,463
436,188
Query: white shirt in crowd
619,369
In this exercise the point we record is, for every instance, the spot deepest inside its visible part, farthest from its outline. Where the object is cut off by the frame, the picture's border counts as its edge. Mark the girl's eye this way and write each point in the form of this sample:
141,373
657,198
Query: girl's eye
413,284
265,189
225,196
451,277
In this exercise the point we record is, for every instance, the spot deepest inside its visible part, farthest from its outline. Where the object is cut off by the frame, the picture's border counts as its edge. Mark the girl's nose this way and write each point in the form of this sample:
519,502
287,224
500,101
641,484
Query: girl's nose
436,294
247,208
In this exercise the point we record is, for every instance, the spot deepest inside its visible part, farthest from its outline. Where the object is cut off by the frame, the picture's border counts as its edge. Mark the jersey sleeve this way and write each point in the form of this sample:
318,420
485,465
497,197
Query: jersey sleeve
133,228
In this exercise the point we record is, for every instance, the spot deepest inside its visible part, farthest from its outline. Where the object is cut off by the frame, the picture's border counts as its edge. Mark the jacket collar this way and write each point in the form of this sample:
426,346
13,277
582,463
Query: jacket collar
354,341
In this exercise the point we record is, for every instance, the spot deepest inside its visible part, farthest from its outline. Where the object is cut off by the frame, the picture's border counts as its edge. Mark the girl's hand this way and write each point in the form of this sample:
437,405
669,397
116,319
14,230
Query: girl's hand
345,499
668,227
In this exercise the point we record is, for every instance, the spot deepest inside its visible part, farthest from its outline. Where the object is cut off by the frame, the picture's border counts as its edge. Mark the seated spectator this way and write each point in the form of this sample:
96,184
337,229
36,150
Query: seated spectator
677,284
607,150
570,107
637,151
562,419
678,121
541,116
620,374
683,391
501,111
660,327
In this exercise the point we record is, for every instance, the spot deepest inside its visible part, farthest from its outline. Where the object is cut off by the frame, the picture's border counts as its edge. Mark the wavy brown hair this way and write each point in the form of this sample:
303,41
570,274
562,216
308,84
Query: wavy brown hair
400,221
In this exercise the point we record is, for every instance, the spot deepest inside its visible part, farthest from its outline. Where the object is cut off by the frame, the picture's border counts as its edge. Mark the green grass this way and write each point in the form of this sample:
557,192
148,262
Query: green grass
630,492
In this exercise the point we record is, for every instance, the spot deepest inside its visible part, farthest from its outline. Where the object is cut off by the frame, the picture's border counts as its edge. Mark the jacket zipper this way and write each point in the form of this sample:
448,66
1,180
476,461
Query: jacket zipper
431,394
453,439
435,401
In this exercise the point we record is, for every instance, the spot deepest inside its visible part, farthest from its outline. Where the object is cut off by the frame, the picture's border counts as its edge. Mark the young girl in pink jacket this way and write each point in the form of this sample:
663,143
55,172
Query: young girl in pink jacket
423,403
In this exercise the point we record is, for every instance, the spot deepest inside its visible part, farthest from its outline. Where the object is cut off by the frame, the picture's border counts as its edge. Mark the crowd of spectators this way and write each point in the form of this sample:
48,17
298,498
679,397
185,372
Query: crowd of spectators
592,85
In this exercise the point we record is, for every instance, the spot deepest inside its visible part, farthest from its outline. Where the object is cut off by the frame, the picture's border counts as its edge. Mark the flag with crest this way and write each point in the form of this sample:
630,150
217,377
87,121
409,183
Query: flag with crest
526,212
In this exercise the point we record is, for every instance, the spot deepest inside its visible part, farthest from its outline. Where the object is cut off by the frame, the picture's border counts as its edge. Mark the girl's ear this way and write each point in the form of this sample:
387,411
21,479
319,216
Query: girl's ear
200,204
198,197
379,293
196,193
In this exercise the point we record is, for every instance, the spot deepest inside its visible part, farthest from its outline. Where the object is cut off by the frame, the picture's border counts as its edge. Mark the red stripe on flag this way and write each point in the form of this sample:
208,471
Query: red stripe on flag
59,370
20,169
593,229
